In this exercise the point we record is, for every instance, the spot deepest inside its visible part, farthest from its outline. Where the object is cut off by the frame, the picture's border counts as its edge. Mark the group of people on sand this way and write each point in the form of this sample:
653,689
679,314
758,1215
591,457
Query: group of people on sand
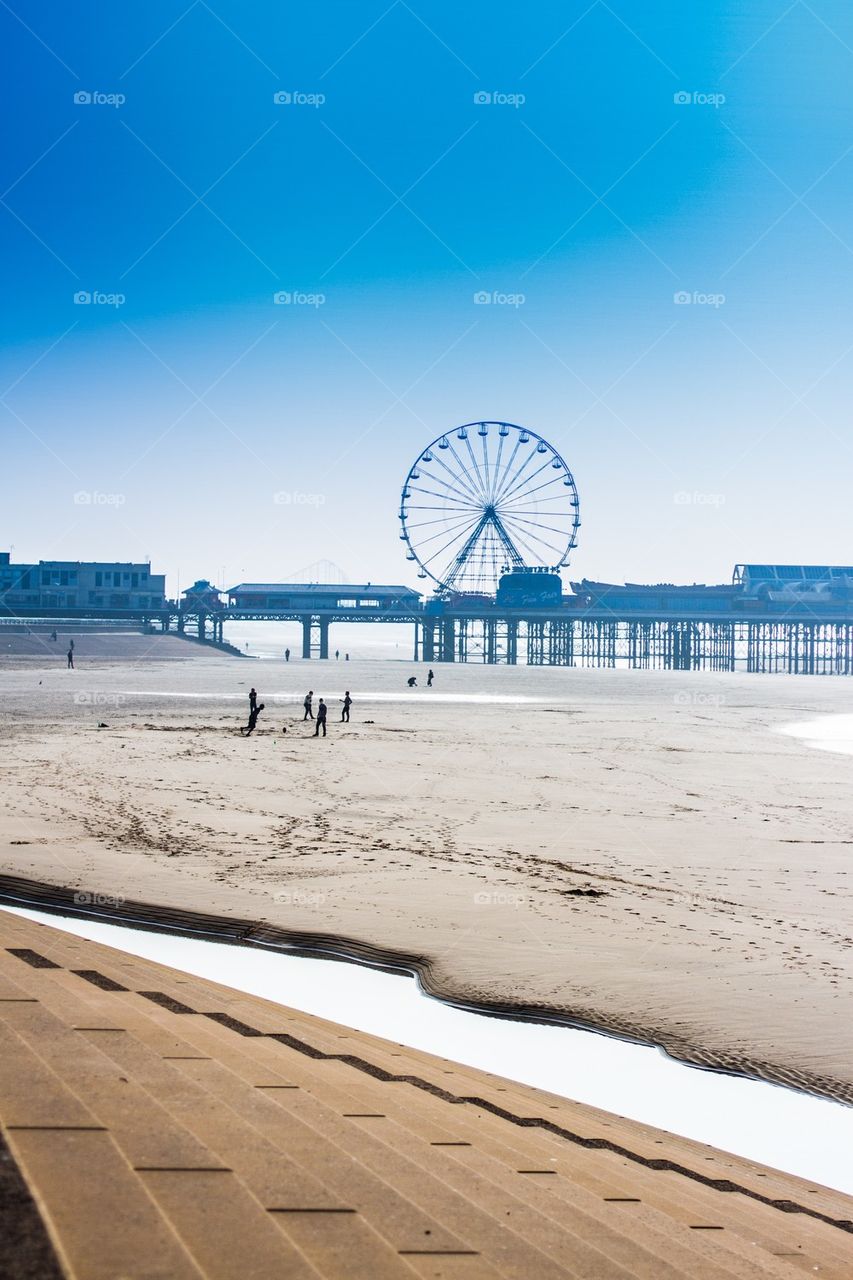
255,709
412,681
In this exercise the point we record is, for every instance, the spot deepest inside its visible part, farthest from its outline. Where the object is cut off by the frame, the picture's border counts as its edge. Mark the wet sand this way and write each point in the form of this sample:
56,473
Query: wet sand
637,851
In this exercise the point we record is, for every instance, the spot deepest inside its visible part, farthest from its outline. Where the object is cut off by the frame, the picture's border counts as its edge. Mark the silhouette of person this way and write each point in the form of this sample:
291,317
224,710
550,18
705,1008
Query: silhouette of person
430,678
346,657
321,718
309,714
347,705
287,655
337,654
253,699
411,682
253,719
71,657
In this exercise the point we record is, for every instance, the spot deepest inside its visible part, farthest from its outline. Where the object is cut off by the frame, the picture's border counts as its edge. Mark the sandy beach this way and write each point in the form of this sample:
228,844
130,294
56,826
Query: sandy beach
640,851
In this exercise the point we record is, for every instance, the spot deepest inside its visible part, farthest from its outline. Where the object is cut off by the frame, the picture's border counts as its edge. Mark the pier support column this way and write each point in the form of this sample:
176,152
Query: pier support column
512,642
306,637
417,640
448,639
324,637
429,641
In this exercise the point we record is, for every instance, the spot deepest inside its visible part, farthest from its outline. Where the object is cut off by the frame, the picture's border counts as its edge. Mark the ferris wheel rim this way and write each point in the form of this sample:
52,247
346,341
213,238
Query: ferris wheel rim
467,502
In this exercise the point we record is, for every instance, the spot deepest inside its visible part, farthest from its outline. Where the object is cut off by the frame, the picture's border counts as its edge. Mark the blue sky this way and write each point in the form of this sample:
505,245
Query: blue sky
700,433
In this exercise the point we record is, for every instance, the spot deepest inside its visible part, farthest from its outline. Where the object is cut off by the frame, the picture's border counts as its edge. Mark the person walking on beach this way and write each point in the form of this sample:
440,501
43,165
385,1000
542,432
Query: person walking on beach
287,655
321,719
309,714
70,666
430,678
347,705
253,699
253,720
337,654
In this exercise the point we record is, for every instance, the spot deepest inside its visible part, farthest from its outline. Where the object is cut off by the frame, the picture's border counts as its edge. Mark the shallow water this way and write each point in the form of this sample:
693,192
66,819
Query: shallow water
826,733
803,1135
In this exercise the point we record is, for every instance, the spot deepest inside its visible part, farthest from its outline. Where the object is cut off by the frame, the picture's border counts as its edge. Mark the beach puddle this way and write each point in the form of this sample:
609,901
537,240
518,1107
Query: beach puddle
804,1135
826,733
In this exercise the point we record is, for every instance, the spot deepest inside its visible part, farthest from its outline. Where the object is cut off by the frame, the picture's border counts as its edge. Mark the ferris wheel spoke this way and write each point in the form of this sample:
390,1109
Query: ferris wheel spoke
457,482
455,536
526,481
461,483
447,498
425,524
524,534
499,480
485,439
449,515
522,497
497,470
537,524
534,554
456,528
473,480
475,465
511,480
441,550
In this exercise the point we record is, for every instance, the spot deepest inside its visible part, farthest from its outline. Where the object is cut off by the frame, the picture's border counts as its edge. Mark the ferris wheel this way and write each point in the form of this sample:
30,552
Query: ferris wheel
485,498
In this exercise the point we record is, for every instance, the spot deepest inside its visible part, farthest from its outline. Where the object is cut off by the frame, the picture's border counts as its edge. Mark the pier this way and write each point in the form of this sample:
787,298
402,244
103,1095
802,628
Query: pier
786,619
